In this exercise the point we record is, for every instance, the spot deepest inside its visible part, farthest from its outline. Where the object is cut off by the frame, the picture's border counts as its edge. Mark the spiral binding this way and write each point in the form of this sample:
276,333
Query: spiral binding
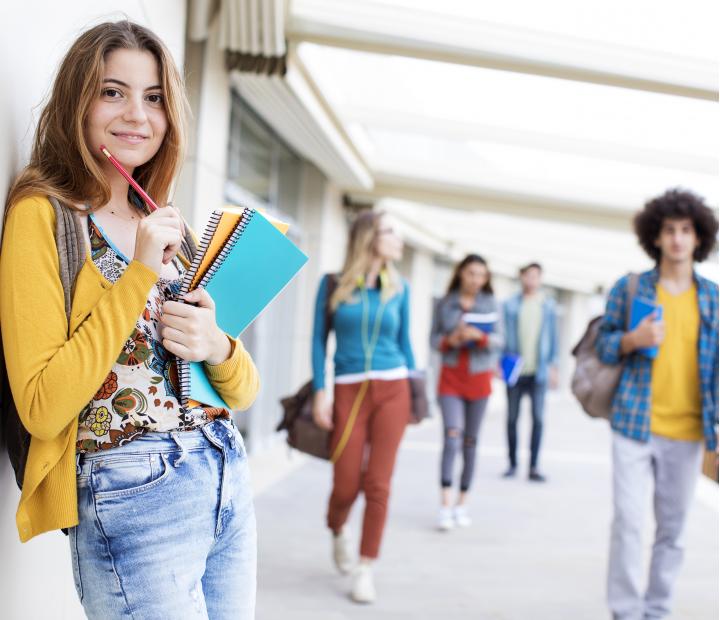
183,367
202,249
228,246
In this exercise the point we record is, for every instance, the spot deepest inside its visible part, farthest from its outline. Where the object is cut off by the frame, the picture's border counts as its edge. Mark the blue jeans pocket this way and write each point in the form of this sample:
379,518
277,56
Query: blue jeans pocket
128,474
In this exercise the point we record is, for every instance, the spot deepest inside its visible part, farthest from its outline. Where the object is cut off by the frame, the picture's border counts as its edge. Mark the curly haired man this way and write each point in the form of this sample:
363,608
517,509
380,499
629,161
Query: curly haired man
666,404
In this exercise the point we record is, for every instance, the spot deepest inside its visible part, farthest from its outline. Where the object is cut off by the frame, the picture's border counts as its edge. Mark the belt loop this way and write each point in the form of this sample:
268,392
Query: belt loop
183,451
78,469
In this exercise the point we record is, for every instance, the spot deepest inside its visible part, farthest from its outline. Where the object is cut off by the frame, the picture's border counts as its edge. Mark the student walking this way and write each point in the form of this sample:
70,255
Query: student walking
531,333
155,494
666,405
370,315
467,331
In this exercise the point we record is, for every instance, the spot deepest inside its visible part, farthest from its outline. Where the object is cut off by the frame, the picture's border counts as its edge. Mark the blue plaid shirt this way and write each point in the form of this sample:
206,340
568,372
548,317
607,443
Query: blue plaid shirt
631,405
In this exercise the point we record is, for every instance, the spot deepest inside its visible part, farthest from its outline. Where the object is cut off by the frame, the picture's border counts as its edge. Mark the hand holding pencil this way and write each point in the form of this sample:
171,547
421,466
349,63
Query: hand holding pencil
160,234
158,238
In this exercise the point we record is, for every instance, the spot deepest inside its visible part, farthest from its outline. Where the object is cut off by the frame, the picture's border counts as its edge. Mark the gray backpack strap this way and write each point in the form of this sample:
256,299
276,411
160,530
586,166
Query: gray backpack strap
70,242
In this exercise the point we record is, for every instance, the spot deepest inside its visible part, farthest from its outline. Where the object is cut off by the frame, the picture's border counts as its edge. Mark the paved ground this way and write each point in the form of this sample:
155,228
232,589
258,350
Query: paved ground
533,552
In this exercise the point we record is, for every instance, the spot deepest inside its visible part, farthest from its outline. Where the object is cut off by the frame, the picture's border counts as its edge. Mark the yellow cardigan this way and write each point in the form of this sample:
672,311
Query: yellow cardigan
55,368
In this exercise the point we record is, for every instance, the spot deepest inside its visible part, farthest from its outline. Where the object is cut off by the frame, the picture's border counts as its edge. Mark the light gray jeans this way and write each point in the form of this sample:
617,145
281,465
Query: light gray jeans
673,466
464,417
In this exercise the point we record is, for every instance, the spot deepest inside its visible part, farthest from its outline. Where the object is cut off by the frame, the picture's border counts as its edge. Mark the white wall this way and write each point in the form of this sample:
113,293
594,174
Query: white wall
35,578
322,219
324,224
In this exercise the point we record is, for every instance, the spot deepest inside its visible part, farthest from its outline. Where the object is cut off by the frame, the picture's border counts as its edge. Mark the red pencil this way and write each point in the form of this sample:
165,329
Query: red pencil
148,201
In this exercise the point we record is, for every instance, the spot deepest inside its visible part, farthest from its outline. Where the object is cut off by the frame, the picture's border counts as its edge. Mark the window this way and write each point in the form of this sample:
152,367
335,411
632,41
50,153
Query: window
259,163
264,173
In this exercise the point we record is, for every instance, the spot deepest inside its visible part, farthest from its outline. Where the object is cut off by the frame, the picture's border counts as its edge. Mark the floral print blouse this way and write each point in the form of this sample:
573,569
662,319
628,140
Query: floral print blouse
140,393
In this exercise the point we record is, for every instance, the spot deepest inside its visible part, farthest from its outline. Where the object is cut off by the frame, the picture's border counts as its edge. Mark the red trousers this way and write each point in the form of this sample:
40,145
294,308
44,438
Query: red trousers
368,460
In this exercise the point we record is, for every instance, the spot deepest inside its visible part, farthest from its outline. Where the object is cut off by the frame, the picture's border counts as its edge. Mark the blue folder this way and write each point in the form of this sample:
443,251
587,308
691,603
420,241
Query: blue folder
511,366
259,266
638,311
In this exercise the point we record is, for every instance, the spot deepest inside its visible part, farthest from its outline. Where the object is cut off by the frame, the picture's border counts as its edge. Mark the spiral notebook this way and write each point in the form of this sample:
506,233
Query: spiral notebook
244,260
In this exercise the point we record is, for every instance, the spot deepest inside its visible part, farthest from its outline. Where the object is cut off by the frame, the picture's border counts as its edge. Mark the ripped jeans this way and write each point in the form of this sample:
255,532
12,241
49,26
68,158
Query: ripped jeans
167,528
461,426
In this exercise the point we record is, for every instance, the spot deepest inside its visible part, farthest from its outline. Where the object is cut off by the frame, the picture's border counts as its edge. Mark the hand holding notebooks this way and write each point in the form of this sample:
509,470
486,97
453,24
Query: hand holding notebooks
639,310
244,260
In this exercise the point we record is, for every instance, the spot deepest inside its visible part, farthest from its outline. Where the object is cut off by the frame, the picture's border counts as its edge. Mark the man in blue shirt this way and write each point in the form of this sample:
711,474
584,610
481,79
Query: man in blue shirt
531,332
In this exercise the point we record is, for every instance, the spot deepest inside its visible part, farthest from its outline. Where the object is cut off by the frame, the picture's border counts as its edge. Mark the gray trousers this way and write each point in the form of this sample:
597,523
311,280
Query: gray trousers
673,466
461,422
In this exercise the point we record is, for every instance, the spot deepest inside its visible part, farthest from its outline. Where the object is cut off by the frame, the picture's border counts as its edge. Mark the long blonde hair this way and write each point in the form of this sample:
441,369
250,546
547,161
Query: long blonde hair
61,165
360,253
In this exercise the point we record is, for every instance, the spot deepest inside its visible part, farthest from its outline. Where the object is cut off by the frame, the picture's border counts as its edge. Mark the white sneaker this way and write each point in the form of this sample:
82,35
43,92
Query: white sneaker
363,587
462,516
445,519
342,555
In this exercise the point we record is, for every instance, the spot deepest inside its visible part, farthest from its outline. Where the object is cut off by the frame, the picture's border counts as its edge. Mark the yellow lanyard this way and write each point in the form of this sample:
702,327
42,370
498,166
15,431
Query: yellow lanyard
369,344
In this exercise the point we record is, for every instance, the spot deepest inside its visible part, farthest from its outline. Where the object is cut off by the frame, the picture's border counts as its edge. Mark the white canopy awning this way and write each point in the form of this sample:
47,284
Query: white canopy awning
632,45
532,130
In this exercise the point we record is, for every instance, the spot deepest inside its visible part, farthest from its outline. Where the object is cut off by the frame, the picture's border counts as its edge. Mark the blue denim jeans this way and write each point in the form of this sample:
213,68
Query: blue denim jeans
536,391
167,528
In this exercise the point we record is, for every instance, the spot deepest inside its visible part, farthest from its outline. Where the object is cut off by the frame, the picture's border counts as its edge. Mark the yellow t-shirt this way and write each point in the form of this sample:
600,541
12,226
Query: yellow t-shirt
676,402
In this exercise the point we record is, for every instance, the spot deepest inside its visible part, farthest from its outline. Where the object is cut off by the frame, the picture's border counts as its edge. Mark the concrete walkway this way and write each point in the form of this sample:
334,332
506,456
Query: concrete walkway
533,551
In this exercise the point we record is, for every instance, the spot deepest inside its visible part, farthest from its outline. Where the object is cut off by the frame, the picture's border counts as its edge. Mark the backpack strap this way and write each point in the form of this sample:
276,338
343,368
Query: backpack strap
332,283
70,241
631,290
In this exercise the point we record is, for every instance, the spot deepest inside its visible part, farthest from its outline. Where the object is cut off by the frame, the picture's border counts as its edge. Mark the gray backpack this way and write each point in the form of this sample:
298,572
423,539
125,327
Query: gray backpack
593,383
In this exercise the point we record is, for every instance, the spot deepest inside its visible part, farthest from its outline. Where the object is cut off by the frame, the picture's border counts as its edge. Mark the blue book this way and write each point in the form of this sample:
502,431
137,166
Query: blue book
485,322
252,262
640,309
511,366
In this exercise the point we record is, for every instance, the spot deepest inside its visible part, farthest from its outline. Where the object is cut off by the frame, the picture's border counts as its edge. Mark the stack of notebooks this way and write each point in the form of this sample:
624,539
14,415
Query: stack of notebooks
244,260
484,321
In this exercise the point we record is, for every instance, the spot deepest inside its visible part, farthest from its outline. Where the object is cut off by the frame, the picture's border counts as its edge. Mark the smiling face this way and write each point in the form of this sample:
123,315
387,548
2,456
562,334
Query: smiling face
128,116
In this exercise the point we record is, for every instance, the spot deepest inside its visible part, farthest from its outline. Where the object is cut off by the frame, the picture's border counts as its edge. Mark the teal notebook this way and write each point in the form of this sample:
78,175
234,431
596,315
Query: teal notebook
249,269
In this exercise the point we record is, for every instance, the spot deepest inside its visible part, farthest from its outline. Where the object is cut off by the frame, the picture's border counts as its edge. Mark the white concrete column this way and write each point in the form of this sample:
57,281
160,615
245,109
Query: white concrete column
322,219
421,280
504,287
572,320
201,185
